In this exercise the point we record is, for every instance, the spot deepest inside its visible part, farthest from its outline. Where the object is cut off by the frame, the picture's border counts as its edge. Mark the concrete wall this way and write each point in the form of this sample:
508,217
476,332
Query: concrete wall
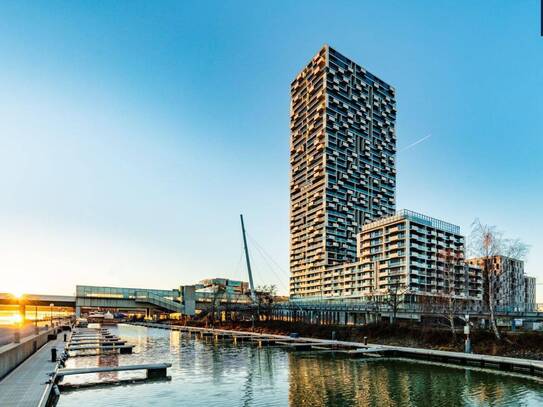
14,354
189,299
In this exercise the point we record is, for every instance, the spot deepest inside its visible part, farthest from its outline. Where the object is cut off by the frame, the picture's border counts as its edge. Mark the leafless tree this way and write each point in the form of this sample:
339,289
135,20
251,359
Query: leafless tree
215,305
395,296
265,295
448,299
486,242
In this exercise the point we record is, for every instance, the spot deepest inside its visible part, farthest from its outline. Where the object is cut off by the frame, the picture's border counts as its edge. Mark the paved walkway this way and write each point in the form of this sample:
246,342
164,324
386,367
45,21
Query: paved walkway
25,385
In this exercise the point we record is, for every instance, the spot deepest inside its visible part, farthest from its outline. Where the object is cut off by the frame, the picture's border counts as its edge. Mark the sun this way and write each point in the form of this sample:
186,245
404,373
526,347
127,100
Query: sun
16,319
17,294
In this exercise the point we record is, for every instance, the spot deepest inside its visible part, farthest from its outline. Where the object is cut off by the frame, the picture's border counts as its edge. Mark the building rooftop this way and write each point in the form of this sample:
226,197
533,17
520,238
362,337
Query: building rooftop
416,217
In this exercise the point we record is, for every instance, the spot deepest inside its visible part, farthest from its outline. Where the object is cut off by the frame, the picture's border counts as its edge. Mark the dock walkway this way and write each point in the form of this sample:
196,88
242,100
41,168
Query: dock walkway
27,384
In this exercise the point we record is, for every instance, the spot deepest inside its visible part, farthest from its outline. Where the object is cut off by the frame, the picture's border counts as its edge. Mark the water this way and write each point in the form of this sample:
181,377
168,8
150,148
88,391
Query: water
210,374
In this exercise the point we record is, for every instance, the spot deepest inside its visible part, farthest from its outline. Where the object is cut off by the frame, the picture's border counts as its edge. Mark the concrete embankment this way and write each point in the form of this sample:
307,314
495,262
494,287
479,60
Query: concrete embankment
13,354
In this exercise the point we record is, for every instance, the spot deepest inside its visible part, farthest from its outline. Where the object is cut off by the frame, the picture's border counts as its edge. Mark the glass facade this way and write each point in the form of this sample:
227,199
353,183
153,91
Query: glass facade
84,291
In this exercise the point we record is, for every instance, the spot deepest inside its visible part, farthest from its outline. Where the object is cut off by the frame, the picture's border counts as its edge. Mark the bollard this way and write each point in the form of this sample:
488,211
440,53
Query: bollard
53,354
17,337
333,335
65,337
365,340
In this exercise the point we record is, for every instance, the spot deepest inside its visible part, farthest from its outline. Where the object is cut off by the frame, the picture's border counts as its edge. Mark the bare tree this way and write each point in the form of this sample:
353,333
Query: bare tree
395,296
218,291
449,302
486,242
265,295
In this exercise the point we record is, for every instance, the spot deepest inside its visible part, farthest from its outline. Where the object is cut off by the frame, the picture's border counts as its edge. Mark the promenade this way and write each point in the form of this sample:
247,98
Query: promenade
27,385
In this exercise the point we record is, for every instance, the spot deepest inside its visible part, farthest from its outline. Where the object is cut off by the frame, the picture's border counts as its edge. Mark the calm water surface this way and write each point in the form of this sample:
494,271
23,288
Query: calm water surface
208,374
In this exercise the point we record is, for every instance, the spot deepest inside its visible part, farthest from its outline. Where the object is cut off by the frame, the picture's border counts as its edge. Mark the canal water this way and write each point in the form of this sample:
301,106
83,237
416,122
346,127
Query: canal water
205,373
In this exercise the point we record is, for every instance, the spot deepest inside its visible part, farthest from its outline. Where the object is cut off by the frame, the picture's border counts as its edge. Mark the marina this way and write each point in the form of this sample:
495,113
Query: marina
151,353
213,370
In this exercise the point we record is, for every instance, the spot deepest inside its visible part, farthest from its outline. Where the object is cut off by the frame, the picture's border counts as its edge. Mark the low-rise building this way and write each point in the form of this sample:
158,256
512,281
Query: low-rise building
504,280
230,286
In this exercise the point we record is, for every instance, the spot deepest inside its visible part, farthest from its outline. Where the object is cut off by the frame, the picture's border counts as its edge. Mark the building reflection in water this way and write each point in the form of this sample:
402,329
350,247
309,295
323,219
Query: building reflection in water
328,381
111,359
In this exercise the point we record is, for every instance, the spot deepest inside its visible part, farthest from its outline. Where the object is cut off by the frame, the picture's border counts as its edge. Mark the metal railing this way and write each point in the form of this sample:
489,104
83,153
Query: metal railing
354,305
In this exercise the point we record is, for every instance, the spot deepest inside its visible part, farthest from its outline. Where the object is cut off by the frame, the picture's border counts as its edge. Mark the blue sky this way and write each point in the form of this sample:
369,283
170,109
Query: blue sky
132,134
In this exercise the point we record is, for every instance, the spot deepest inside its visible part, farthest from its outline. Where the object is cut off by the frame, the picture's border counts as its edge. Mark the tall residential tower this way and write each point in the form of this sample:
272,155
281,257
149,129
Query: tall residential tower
343,170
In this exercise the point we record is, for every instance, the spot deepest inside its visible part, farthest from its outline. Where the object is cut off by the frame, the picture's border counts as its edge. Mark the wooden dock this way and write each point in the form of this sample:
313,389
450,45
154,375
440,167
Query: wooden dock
101,340
96,339
154,371
124,349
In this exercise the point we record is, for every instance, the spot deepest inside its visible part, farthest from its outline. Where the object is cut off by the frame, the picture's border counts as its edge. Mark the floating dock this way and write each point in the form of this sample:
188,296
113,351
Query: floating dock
154,371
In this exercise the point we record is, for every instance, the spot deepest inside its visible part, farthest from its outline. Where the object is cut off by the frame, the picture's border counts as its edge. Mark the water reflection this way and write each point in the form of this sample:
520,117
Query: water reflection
209,373
108,360
328,381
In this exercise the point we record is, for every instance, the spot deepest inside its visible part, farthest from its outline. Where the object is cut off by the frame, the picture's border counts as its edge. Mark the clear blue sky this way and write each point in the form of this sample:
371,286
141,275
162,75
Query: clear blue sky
132,134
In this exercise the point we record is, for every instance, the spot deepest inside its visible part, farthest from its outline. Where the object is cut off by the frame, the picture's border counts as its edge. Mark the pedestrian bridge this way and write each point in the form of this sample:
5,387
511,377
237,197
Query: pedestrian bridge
38,300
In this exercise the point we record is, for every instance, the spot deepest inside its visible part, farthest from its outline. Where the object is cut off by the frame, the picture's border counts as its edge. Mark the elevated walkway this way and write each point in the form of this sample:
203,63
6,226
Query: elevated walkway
158,301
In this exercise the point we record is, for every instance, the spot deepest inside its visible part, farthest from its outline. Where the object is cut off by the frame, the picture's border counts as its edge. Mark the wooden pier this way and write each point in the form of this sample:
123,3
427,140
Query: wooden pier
124,349
100,339
154,371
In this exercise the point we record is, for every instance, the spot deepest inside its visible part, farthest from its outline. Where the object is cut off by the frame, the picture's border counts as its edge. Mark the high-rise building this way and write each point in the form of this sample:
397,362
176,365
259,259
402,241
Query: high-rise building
343,169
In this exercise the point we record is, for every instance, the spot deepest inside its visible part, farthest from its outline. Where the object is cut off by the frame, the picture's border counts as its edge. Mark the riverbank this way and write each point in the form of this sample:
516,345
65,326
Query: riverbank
528,345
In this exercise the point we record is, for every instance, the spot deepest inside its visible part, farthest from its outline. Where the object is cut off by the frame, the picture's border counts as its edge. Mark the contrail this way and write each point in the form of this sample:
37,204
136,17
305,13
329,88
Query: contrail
416,142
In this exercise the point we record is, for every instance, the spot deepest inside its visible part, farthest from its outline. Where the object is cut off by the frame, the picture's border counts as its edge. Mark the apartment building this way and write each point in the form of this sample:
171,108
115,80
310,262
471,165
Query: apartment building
410,254
343,170
229,286
507,279
529,293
